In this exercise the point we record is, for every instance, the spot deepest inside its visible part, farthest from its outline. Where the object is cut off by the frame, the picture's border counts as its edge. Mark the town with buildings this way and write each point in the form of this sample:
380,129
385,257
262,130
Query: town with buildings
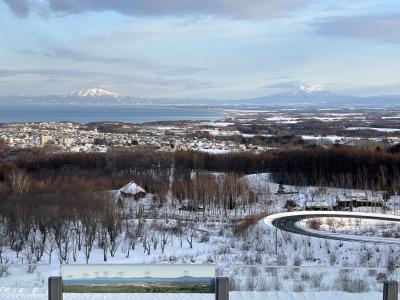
239,131
74,137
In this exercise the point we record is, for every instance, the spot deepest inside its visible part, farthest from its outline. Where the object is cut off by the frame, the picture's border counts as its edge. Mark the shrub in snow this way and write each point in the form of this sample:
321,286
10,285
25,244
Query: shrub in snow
205,237
297,261
250,284
391,263
332,258
4,271
346,283
316,280
381,276
314,223
305,276
263,284
281,260
298,287
276,284
172,259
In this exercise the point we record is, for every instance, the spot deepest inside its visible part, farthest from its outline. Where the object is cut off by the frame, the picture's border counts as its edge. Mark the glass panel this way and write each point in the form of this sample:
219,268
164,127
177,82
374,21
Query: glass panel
197,279
28,282
258,282
246,282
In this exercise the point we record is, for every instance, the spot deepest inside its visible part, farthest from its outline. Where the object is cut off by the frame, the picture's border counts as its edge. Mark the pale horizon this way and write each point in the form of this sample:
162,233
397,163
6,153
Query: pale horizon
218,50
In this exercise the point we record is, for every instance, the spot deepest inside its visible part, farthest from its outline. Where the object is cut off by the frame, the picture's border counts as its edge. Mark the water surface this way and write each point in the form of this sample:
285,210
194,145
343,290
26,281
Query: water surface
94,113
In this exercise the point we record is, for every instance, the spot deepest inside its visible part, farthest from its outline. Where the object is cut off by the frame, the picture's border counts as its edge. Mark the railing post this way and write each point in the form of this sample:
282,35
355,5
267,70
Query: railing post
55,288
222,288
390,290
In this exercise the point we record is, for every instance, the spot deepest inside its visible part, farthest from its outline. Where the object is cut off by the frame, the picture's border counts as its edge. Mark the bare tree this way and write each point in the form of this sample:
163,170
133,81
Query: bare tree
19,181
62,238
104,241
131,236
154,239
89,236
50,247
190,233
3,244
164,239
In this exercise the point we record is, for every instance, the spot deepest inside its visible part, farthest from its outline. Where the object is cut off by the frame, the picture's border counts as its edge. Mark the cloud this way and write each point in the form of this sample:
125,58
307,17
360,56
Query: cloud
370,90
380,28
47,72
284,85
295,85
80,56
176,71
76,76
230,8
19,7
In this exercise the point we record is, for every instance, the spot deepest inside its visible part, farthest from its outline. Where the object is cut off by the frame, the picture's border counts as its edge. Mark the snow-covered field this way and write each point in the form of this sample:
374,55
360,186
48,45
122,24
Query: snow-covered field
375,129
232,296
356,226
228,241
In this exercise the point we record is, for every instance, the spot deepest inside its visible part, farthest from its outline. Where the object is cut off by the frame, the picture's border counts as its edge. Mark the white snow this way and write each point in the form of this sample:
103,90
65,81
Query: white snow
217,124
283,119
328,119
310,88
374,128
392,241
271,218
94,92
254,246
332,295
132,189
214,151
330,138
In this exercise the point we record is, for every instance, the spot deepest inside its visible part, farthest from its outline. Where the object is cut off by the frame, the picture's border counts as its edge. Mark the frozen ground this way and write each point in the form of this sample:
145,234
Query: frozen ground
355,226
309,222
226,241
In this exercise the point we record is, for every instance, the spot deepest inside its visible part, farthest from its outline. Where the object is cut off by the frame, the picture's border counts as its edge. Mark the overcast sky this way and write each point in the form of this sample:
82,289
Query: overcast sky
199,48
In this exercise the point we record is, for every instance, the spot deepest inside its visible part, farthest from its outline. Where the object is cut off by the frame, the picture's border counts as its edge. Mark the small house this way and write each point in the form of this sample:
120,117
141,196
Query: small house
130,191
357,199
320,206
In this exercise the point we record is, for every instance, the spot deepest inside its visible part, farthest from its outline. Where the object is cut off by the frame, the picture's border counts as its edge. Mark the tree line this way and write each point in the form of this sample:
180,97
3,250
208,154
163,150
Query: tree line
334,166
47,199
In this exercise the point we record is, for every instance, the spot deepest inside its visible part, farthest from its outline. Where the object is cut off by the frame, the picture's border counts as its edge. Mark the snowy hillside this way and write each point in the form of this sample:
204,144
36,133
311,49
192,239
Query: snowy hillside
94,92
240,243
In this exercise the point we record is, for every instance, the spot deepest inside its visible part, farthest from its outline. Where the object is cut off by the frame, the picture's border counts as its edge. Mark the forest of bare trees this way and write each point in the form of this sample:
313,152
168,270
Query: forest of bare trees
336,166
47,200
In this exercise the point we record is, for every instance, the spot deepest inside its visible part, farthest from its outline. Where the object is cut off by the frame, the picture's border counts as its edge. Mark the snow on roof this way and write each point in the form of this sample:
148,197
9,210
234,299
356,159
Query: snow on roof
132,188
317,204
358,194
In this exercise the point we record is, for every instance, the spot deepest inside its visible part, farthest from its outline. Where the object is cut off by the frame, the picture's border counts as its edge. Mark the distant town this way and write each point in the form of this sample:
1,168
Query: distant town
73,137
254,131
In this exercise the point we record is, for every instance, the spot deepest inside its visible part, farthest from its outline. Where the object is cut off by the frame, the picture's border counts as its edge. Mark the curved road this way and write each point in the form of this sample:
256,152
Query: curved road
289,222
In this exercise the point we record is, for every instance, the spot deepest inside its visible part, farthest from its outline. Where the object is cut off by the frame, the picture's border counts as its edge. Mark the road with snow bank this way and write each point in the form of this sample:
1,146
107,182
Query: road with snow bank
289,222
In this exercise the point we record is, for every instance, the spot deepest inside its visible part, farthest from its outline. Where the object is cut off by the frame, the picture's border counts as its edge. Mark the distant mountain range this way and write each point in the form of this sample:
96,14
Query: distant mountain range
301,96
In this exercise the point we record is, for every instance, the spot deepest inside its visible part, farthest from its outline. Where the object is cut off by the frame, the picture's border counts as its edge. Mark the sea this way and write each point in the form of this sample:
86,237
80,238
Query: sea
17,113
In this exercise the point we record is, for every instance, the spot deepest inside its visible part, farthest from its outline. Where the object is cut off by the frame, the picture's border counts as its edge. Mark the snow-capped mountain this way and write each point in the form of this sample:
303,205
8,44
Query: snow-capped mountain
306,89
94,92
301,95
306,95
